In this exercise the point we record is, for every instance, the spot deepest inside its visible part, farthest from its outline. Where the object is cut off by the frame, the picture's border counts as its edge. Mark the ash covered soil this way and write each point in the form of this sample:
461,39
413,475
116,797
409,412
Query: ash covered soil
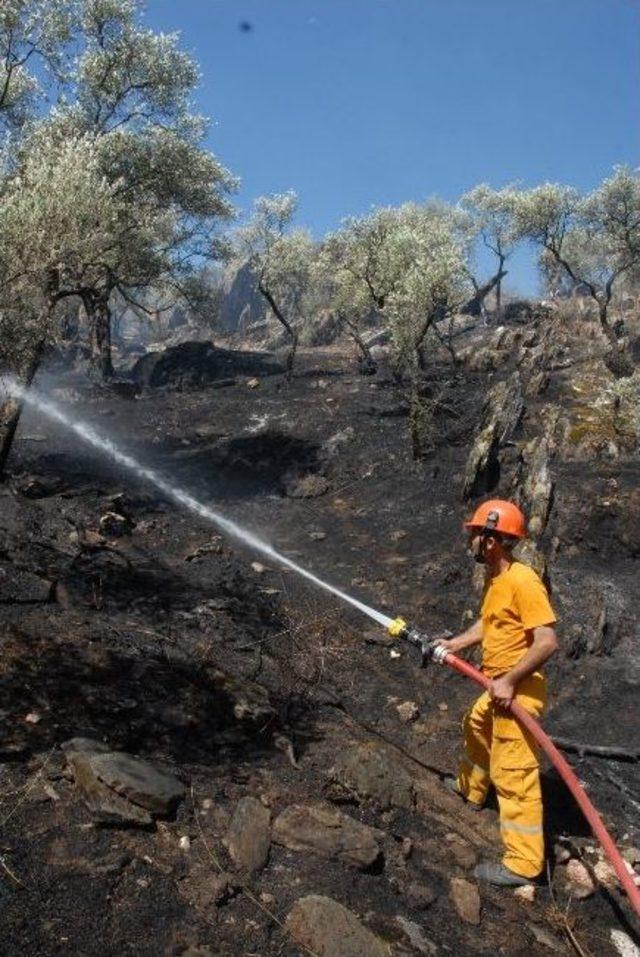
129,622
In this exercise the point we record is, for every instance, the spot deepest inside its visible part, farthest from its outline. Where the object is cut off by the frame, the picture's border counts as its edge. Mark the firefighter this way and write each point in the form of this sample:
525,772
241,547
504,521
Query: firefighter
515,630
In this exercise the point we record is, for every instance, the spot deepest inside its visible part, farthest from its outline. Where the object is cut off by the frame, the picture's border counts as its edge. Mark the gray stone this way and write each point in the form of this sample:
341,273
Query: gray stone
372,771
248,838
117,785
309,486
330,930
324,830
466,900
501,413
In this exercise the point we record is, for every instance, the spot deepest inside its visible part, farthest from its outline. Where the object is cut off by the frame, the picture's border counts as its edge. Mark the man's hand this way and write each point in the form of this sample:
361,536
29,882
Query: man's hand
502,690
450,644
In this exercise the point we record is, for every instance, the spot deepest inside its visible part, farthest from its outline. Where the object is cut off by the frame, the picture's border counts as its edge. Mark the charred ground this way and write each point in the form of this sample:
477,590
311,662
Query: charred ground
166,641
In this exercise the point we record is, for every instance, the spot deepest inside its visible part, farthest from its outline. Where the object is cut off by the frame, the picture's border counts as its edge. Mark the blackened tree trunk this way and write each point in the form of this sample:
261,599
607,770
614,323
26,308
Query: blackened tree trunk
99,319
11,409
282,319
368,365
475,305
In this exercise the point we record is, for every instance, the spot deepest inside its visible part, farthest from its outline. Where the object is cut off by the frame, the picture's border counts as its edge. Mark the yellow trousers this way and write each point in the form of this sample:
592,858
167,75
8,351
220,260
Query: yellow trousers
499,751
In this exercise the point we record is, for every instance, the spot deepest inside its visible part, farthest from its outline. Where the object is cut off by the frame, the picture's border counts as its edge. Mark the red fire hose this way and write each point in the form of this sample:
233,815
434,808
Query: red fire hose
567,775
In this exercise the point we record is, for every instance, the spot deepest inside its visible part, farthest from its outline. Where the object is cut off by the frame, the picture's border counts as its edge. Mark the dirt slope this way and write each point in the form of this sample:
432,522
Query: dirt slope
163,640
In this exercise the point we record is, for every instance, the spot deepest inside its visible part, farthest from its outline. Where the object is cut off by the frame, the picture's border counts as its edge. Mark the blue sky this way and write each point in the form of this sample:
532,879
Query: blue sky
355,103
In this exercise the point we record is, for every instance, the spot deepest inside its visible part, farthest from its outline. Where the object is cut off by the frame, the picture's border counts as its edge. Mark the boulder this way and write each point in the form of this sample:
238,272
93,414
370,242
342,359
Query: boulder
328,929
248,839
118,786
373,771
193,365
322,829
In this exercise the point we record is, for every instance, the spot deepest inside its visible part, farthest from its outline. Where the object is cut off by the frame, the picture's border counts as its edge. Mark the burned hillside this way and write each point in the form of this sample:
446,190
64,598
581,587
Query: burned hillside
203,754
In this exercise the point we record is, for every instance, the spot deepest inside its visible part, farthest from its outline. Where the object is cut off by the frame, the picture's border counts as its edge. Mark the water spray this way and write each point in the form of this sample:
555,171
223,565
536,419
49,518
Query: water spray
398,628
84,431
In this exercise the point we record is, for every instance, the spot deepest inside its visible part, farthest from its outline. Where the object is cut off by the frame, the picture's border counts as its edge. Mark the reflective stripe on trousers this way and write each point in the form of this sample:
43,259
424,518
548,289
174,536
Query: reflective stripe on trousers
499,752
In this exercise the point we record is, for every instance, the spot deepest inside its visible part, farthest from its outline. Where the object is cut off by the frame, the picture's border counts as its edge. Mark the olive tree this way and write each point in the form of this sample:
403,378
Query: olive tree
491,221
281,260
594,239
63,225
131,92
34,42
409,264
343,294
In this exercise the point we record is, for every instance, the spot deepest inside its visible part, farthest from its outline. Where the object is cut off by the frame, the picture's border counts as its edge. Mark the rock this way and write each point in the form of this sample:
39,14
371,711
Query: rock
420,896
408,711
330,930
623,944
309,486
501,414
19,587
605,874
561,853
253,383
631,855
117,785
324,830
373,771
416,937
466,900
526,893
206,890
184,843
33,717
536,482
317,536
259,568
580,882
114,525
248,838
193,364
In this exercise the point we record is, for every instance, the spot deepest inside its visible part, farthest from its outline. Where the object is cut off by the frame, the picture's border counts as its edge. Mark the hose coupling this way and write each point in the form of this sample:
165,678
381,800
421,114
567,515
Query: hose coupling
400,629
438,653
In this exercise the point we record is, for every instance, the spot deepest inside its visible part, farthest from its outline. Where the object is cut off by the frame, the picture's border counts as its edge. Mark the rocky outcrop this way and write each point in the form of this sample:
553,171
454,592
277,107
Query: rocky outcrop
501,414
240,302
328,832
328,929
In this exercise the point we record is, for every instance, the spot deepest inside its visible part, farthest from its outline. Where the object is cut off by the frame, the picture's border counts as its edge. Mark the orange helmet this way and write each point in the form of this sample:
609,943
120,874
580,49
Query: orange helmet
499,516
